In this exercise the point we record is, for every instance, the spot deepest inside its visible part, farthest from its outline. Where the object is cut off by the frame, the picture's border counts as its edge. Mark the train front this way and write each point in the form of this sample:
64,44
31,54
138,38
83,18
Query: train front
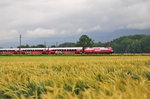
98,50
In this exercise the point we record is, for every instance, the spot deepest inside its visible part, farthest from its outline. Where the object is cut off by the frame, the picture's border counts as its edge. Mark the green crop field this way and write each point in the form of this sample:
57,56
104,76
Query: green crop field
69,77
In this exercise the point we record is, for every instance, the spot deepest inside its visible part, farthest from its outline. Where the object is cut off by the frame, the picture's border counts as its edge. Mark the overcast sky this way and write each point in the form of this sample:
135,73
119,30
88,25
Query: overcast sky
66,20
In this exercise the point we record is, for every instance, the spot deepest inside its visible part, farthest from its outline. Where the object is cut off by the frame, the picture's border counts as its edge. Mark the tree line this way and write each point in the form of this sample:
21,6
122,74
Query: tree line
124,44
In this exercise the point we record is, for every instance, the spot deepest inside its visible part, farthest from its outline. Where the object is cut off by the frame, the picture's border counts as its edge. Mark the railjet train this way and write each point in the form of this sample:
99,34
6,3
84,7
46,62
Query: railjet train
59,50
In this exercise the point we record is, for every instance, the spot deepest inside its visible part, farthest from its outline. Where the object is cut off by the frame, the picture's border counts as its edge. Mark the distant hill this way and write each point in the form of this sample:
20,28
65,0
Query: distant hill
131,44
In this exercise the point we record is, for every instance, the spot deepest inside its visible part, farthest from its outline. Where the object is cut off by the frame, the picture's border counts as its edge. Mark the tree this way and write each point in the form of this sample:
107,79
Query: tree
24,46
145,43
85,41
38,46
53,46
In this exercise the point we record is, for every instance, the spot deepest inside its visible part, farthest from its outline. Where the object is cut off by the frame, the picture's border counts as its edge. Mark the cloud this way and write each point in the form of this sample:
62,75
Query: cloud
40,32
141,25
48,18
8,35
109,14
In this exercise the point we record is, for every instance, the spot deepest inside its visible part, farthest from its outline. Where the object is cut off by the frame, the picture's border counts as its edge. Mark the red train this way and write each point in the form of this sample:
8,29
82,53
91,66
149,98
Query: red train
61,50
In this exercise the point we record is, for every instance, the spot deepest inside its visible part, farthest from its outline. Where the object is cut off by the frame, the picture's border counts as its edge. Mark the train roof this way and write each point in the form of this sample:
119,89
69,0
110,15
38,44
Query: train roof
9,48
41,48
58,48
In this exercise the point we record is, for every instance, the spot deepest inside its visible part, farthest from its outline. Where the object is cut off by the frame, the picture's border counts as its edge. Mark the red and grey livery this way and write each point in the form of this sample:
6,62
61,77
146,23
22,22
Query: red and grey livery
59,50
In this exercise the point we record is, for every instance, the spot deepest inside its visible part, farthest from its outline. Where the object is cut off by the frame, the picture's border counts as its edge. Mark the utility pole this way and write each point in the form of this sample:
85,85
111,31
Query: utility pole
45,44
56,44
48,49
20,44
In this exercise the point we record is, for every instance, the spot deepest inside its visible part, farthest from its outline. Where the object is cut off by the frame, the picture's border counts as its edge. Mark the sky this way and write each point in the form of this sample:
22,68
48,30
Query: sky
52,21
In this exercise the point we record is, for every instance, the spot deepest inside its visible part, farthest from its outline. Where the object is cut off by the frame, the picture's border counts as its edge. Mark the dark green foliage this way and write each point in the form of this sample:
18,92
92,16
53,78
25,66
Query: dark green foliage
24,46
145,43
131,44
53,46
85,41
38,46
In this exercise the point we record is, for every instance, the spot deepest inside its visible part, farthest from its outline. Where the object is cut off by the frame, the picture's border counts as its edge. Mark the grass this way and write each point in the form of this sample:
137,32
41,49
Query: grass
69,77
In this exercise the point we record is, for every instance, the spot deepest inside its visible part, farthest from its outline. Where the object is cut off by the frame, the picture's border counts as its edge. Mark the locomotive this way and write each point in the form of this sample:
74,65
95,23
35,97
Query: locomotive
59,50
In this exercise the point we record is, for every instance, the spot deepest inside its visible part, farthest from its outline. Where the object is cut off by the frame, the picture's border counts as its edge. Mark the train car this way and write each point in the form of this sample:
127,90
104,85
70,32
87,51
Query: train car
65,50
98,50
33,50
8,50
59,50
